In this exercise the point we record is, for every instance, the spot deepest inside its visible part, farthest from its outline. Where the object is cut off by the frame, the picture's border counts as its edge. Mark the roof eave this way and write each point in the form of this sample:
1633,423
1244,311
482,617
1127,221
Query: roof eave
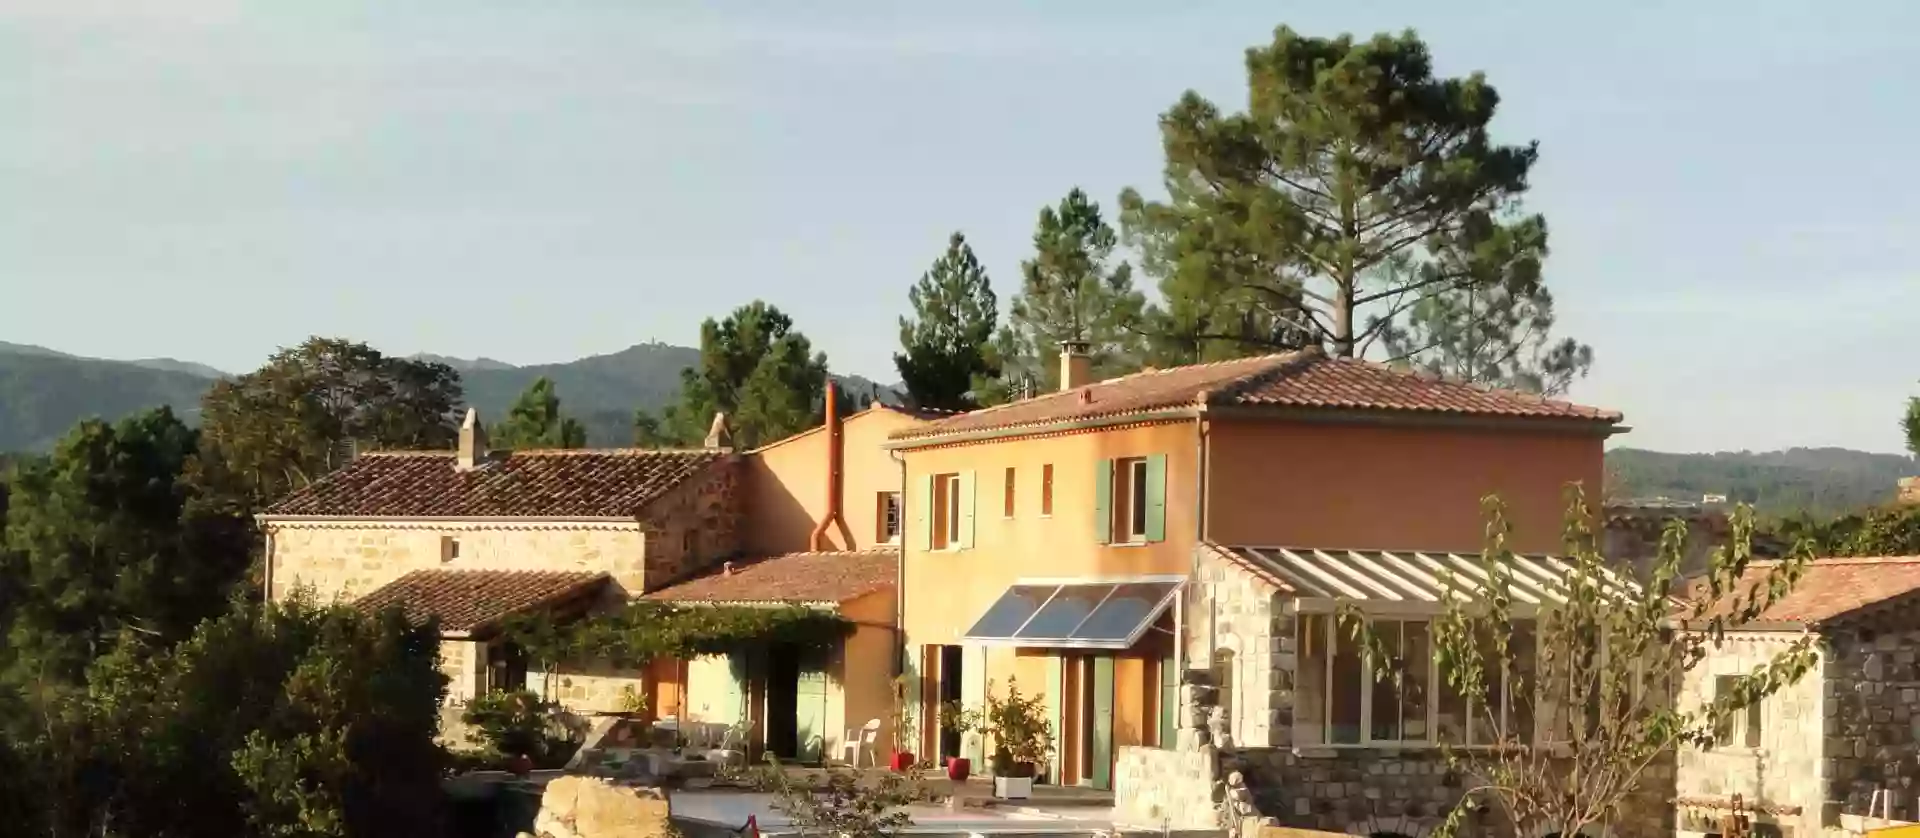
1015,431
270,518
1600,426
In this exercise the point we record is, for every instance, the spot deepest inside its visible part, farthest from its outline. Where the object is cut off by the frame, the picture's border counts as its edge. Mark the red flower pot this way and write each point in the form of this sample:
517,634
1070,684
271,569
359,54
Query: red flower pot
901,761
520,766
959,768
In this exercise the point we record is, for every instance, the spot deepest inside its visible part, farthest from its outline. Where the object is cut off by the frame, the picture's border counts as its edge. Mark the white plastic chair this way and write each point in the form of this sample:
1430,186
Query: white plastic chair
861,741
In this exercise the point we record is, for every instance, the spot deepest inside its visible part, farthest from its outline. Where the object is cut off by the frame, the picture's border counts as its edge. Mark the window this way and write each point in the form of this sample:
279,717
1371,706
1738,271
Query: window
1741,728
887,513
1046,489
1341,699
1130,501
946,511
1009,494
449,548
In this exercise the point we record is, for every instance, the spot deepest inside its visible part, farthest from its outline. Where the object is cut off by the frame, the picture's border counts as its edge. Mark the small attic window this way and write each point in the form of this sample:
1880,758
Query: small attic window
449,547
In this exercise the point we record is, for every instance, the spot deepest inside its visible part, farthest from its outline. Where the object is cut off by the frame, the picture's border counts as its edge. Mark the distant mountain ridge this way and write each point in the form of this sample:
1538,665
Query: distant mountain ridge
1816,481
44,392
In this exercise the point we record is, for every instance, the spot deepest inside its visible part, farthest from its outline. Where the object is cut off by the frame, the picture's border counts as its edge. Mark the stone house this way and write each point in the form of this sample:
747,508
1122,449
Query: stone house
474,536
1110,542
1842,743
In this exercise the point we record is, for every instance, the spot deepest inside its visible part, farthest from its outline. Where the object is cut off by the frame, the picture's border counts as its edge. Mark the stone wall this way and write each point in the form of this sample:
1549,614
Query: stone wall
1871,684
347,559
1241,636
1785,770
1632,535
1172,789
693,527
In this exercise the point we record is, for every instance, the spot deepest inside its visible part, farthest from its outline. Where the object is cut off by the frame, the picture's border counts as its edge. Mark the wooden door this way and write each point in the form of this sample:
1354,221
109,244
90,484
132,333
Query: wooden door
1100,771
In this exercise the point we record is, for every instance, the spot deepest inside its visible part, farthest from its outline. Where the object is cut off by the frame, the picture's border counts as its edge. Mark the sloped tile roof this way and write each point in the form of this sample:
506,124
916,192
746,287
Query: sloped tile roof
472,600
792,578
1833,588
1305,379
597,483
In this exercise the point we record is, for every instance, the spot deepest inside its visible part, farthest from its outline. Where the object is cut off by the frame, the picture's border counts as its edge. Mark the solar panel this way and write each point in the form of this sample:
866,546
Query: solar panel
1064,613
1124,613
1010,611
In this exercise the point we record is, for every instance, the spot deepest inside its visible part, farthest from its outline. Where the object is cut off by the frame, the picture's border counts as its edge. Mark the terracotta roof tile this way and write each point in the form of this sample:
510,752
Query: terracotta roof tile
599,483
792,578
1306,379
1832,588
472,600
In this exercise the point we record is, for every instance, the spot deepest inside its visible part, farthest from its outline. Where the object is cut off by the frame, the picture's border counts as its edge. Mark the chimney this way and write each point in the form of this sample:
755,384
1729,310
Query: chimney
1076,365
718,436
473,441
836,455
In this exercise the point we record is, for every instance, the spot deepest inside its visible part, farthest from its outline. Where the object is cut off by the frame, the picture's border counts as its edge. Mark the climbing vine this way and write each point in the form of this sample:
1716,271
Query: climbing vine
642,632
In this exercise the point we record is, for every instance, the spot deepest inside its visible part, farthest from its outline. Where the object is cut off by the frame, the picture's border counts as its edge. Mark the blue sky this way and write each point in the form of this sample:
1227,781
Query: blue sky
1735,218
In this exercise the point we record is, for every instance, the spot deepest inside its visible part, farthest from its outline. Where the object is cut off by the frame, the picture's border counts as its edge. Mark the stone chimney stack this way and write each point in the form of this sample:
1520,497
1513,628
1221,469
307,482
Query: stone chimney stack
1076,364
719,437
473,441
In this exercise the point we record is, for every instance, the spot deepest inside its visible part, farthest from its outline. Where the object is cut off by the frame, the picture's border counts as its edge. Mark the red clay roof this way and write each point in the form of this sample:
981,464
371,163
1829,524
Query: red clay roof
1832,588
1306,379
792,578
600,483
471,600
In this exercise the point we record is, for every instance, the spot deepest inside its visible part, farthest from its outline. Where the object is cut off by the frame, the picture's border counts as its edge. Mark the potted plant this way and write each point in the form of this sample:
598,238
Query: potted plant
961,721
899,728
1021,734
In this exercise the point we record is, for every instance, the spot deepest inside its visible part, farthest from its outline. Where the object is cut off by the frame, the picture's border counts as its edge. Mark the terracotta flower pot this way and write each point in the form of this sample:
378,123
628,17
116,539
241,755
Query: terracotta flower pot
901,761
959,769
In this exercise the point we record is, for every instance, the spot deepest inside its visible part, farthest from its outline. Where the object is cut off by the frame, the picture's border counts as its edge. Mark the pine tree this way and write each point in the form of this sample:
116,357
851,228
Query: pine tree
947,339
1071,290
534,421
756,368
1359,200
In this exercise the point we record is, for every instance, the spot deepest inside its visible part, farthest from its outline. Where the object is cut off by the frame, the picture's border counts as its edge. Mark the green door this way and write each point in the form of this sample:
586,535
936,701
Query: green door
735,706
810,708
1100,773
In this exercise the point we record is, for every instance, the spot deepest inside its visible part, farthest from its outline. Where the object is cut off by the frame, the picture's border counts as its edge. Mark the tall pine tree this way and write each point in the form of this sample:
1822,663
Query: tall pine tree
534,421
1073,289
1358,201
756,368
946,341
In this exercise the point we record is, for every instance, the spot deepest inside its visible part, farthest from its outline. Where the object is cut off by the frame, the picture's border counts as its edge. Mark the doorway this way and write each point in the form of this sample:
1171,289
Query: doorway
949,691
783,703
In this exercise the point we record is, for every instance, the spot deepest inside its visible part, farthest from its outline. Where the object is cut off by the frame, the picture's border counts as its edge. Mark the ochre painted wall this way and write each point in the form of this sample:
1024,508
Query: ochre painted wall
863,676
348,559
947,590
1395,488
786,485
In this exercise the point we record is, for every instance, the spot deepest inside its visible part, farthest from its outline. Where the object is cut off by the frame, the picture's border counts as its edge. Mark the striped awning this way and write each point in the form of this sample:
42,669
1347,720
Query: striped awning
1412,578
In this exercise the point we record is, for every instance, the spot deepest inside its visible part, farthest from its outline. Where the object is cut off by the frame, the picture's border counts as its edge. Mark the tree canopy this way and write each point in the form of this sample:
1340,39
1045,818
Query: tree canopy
1358,200
1910,423
535,422
945,343
1071,289
302,414
756,368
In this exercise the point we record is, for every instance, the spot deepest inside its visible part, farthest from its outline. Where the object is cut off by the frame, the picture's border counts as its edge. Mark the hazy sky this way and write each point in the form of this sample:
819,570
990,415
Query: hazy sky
1734,212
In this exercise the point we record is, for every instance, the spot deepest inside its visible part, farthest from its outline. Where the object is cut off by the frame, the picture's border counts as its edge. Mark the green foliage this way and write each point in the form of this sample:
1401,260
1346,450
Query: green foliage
945,343
647,432
1072,289
1356,188
1814,481
1596,671
1018,725
849,804
641,632
298,417
1881,531
518,722
535,422
102,536
1910,424
759,371
283,720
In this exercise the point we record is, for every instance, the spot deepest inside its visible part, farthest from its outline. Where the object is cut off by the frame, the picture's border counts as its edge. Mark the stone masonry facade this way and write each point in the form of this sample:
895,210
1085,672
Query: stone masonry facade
1871,721
1782,776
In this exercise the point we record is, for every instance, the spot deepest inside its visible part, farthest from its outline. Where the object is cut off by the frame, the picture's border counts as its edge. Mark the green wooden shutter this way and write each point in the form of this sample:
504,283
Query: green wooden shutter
965,485
1169,702
916,703
1103,502
1056,714
810,707
1100,773
1157,497
736,697
973,693
923,513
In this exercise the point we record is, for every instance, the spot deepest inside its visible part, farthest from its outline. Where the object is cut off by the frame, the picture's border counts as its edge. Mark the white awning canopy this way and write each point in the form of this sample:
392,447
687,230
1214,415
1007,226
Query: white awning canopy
1319,579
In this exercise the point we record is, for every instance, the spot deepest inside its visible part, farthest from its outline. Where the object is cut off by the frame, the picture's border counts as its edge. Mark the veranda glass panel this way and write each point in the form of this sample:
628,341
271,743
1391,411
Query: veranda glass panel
1343,716
1064,613
1012,609
1124,613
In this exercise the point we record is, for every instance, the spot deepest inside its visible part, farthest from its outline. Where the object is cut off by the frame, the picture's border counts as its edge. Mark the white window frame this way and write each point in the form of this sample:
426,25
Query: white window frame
1331,621
1749,724
1129,473
890,517
946,493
